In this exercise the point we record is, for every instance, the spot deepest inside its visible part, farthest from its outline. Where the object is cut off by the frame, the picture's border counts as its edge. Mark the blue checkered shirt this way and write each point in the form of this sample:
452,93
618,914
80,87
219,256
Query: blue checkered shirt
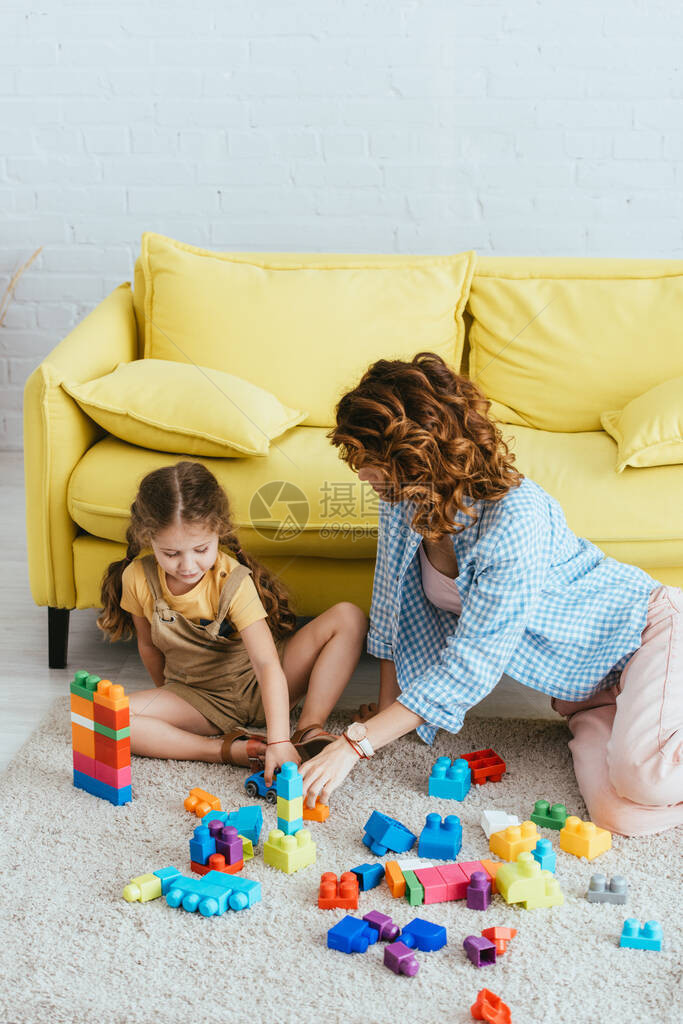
539,604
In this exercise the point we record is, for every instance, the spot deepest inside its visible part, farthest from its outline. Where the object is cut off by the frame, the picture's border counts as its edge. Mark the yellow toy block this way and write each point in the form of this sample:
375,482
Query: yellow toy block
524,882
584,839
513,840
247,848
143,888
289,853
290,810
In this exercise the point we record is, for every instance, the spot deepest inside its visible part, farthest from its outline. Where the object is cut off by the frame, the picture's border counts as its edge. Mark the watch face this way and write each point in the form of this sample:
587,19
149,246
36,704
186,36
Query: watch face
356,731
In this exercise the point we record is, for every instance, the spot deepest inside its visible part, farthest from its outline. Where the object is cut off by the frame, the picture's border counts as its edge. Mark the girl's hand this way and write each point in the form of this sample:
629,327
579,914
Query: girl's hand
276,757
327,770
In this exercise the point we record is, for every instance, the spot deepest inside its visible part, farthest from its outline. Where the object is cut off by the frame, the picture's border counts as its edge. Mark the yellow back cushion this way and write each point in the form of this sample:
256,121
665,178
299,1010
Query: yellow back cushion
555,342
305,327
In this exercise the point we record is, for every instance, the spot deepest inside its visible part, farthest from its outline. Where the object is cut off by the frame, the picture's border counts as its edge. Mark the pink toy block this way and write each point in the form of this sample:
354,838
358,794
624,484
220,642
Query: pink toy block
456,881
436,890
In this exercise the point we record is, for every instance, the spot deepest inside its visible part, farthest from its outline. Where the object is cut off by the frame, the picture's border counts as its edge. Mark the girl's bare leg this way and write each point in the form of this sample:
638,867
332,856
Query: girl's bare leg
162,724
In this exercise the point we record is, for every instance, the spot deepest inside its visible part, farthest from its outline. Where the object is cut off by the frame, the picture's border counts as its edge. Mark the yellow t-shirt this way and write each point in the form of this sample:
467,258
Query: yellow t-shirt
200,603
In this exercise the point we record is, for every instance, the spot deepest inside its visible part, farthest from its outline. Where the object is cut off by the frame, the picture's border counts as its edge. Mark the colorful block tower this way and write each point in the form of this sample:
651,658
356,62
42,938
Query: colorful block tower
100,735
290,799
289,847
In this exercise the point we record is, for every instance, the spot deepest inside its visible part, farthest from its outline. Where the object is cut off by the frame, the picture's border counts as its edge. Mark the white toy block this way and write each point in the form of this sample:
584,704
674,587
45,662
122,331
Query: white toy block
495,821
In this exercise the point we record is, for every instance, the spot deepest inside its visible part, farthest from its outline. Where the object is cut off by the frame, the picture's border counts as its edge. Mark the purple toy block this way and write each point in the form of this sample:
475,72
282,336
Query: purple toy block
479,891
480,950
387,931
401,960
229,844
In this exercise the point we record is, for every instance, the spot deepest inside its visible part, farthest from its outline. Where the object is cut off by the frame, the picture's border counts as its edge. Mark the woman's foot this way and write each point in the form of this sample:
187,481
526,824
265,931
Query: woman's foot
365,711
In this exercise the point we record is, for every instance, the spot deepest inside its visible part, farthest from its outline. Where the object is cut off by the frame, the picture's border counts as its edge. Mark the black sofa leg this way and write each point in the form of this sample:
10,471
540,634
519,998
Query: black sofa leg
57,636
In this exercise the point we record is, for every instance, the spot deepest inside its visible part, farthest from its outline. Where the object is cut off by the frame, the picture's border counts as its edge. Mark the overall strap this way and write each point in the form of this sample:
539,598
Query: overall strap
236,577
149,564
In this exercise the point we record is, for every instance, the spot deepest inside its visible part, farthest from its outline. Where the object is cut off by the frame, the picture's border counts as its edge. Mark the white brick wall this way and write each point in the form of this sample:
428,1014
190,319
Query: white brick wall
541,128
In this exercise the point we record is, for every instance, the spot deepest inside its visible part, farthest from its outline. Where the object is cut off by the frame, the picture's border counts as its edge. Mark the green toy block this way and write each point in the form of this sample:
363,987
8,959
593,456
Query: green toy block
525,882
113,734
289,853
143,888
84,685
415,893
549,817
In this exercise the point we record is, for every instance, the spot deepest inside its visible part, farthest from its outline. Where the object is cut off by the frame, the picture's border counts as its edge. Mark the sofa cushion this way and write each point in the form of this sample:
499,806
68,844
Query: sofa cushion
305,327
180,407
649,430
556,342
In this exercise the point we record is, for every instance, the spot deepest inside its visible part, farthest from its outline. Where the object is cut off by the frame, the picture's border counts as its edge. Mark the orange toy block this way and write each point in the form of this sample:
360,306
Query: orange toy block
500,937
111,705
320,812
491,869
513,840
83,740
395,879
490,1008
81,706
115,753
216,862
200,802
584,839
342,893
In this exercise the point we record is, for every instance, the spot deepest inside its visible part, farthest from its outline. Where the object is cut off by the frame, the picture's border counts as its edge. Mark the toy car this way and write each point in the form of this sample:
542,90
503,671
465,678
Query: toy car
255,785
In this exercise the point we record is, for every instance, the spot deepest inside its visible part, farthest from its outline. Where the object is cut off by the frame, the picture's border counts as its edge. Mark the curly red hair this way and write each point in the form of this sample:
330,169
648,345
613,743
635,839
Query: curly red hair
426,429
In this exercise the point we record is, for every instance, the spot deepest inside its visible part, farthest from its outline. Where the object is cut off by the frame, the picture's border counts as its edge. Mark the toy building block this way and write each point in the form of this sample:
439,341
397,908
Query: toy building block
117,778
600,892
229,844
441,839
495,821
479,891
342,892
450,780
215,893
288,782
202,844
545,855
395,879
100,789
143,888
525,882
584,839
290,810
499,936
247,848
485,765
435,889
383,833
351,935
490,1008
320,812
401,960
82,707
369,875
513,840
84,685
648,937
247,820
481,951
111,706
387,931
455,879
415,893
216,862
200,802
424,935
289,853
491,868
549,817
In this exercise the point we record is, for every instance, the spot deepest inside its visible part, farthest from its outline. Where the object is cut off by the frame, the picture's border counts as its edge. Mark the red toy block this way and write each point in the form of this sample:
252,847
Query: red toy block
320,812
216,862
342,893
115,753
491,1008
485,765
436,890
456,881
500,937
111,706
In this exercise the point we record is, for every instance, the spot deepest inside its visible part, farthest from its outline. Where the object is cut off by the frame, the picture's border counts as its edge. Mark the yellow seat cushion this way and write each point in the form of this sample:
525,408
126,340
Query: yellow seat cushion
556,342
180,407
649,430
305,327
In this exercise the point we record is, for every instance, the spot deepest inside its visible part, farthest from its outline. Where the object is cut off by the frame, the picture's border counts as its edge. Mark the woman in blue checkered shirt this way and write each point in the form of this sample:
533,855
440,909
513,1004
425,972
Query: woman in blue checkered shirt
478,574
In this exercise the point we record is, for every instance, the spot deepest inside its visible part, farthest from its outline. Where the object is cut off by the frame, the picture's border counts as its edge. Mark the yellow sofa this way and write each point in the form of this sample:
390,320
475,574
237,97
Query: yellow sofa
555,343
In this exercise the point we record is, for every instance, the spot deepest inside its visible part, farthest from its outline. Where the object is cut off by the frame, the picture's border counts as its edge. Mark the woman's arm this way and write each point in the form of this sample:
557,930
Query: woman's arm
152,658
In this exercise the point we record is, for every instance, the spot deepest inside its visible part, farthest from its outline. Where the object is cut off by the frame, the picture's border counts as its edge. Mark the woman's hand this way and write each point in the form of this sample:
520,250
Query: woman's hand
276,757
327,770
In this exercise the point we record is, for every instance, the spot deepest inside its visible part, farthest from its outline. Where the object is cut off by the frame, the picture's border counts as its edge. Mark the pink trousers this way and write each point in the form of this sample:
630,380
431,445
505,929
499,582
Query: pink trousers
627,740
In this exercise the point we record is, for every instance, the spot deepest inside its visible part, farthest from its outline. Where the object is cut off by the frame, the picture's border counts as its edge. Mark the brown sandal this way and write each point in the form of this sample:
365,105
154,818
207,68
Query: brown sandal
256,748
307,749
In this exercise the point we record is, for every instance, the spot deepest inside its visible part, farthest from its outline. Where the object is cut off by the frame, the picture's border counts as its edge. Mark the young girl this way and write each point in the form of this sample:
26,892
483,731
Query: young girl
217,635
478,574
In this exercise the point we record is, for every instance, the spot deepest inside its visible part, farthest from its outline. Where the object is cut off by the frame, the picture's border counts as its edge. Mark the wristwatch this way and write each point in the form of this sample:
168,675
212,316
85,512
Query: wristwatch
357,735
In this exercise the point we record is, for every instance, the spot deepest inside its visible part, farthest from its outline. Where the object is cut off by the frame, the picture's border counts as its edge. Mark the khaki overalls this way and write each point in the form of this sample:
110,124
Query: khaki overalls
213,673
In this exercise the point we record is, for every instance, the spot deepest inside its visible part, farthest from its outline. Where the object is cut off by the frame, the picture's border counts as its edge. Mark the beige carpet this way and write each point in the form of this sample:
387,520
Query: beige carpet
73,951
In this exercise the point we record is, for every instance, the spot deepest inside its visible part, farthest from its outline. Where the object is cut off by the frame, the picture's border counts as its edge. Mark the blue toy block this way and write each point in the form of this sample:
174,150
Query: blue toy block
648,937
166,875
450,780
202,846
350,935
369,875
545,855
213,894
439,839
288,782
383,833
247,820
424,935
102,790
290,827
